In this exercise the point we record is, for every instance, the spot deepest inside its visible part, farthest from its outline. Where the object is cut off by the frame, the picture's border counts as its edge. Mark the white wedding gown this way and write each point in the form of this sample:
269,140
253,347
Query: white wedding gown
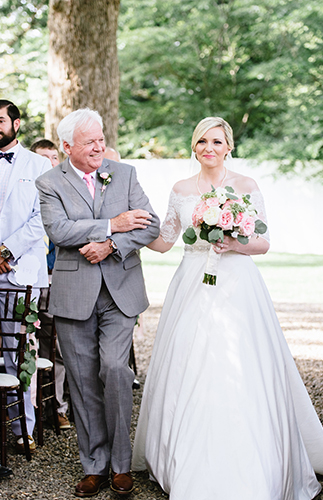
224,414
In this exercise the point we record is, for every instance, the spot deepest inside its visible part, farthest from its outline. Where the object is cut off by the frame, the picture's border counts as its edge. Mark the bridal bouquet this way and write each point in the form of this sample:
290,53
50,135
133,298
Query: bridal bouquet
222,212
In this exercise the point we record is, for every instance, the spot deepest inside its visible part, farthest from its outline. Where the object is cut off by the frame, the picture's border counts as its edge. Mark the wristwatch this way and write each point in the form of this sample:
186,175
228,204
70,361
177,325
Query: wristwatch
113,246
5,252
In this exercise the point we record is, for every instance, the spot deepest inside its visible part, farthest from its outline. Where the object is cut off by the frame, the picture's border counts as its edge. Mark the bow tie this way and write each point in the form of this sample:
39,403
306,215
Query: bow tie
7,156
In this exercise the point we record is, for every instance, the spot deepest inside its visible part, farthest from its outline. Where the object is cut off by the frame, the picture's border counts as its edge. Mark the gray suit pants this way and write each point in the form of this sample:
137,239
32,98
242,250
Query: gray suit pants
96,354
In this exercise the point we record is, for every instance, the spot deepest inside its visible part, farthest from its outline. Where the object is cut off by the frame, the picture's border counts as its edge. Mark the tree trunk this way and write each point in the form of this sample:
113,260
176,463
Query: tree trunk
83,63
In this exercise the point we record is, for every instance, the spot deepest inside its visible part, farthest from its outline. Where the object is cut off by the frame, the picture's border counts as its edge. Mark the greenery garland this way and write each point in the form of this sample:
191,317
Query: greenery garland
28,367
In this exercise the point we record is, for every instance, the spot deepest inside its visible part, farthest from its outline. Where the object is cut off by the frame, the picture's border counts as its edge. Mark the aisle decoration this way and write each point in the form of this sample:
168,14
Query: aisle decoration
28,367
222,212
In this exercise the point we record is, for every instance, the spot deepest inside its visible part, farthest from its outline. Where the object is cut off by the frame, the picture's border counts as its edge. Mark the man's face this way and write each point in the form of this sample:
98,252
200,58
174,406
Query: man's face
8,131
51,154
88,150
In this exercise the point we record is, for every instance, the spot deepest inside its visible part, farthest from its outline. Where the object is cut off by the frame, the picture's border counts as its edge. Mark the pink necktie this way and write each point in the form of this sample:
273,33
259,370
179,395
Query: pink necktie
89,183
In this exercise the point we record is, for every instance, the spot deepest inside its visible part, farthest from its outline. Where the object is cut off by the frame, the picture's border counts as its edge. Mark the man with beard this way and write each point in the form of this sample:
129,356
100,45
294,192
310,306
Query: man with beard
21,235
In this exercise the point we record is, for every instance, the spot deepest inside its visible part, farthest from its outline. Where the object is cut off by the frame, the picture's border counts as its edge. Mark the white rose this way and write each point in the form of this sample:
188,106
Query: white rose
221,194
212,215
252,211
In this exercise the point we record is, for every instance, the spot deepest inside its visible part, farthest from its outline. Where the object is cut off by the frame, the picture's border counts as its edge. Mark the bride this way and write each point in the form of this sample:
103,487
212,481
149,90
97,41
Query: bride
224,414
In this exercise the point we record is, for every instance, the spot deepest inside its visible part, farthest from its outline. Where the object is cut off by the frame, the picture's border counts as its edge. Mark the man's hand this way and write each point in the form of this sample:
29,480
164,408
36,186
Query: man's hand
96,252
4,266
133,219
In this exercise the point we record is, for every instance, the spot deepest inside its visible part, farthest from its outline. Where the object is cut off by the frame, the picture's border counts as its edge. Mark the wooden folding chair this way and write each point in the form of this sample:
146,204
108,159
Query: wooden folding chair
11,385
46,367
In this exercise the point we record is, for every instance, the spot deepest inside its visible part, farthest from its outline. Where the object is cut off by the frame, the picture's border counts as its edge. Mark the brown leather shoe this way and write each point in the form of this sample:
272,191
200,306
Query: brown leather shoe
122,483
20,447
91,485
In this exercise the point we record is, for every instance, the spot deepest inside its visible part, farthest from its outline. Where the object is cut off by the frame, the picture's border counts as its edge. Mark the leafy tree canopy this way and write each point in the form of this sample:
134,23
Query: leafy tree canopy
23,60
258,64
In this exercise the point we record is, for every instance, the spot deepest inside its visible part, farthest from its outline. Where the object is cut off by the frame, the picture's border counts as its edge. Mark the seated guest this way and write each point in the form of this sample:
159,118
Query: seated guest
46,148
112,154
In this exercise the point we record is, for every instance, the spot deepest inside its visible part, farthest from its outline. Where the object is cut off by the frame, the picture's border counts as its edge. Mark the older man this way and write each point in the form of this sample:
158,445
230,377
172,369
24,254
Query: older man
97,215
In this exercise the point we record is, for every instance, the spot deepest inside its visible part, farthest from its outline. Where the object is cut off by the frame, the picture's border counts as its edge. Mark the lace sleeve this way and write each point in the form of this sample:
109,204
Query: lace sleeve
171,227
257,200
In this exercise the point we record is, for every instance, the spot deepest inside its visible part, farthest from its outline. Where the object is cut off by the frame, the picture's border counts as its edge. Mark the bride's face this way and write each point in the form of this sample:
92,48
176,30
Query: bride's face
212,147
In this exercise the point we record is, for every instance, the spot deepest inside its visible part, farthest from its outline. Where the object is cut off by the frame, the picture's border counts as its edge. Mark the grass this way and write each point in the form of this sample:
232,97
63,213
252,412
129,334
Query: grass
289,277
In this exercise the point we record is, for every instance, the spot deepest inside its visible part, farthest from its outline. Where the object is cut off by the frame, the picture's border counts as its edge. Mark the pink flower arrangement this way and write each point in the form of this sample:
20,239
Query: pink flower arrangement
223,212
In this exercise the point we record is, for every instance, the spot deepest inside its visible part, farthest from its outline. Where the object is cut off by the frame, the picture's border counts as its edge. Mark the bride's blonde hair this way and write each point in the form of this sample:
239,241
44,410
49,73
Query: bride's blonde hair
212,122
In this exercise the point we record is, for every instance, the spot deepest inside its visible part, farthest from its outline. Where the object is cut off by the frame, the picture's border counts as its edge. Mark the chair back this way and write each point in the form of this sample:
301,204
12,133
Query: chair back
47,322
9,299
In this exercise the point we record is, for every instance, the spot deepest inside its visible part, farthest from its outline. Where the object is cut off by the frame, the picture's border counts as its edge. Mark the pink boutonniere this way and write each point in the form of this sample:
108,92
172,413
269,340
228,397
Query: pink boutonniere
106,178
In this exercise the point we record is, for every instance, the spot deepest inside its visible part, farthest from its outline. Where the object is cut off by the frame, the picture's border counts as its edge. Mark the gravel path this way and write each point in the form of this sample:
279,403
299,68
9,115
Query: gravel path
55,469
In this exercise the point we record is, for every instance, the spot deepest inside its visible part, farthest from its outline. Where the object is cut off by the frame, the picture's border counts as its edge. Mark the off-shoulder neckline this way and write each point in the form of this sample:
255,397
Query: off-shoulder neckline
180,195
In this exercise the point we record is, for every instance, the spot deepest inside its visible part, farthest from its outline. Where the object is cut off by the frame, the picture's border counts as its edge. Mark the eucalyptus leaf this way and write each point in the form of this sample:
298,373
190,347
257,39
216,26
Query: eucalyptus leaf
24,366
31,368
260,227
33,306
30,328
231,196
20,309
189,241
31,318
190,233
229,189
214,235
23,376
244,240
204,234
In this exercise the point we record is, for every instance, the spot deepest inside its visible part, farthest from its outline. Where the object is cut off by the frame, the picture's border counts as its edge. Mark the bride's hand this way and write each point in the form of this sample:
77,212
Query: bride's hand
227,245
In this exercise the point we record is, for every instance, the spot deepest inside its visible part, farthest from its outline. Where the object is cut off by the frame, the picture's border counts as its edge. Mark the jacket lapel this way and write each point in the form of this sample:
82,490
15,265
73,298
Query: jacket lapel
99,194
77,183
18,169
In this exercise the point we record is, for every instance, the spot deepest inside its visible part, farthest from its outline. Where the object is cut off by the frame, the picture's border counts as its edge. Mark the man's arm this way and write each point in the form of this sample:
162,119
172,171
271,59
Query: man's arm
65,232
146,230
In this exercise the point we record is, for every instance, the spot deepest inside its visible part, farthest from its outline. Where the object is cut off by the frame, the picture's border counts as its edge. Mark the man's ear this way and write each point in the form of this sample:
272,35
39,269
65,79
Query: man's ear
67,147
16,124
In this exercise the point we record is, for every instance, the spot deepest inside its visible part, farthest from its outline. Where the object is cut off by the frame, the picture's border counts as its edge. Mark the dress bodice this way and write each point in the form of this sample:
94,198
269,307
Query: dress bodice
179,218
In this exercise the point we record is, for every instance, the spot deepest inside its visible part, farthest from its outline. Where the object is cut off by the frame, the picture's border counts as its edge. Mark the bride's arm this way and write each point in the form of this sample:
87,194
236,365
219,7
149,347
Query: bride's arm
255,246
160,245
170,228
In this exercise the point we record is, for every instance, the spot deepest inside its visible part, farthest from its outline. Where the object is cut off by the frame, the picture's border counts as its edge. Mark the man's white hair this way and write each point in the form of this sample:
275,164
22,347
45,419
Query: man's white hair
82,118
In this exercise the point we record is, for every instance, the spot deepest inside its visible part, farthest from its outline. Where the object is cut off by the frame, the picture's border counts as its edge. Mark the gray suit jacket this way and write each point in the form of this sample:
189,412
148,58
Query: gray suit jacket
72,219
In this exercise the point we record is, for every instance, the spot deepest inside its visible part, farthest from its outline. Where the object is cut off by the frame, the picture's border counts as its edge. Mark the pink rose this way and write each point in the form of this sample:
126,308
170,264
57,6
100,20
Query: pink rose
212,202
37,324
247,226
198,213
230,202
104,175
226,220
238,219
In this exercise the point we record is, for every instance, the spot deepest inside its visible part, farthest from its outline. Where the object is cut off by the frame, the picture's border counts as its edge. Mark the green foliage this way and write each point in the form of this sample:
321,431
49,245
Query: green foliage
28,367
23,59
258,65
189,236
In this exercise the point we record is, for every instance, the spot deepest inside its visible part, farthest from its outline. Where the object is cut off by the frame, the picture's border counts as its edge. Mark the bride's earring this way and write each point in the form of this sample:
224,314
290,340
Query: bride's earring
225,156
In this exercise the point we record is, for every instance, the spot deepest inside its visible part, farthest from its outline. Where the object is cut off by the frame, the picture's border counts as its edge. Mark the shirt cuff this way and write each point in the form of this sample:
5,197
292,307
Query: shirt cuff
109,229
